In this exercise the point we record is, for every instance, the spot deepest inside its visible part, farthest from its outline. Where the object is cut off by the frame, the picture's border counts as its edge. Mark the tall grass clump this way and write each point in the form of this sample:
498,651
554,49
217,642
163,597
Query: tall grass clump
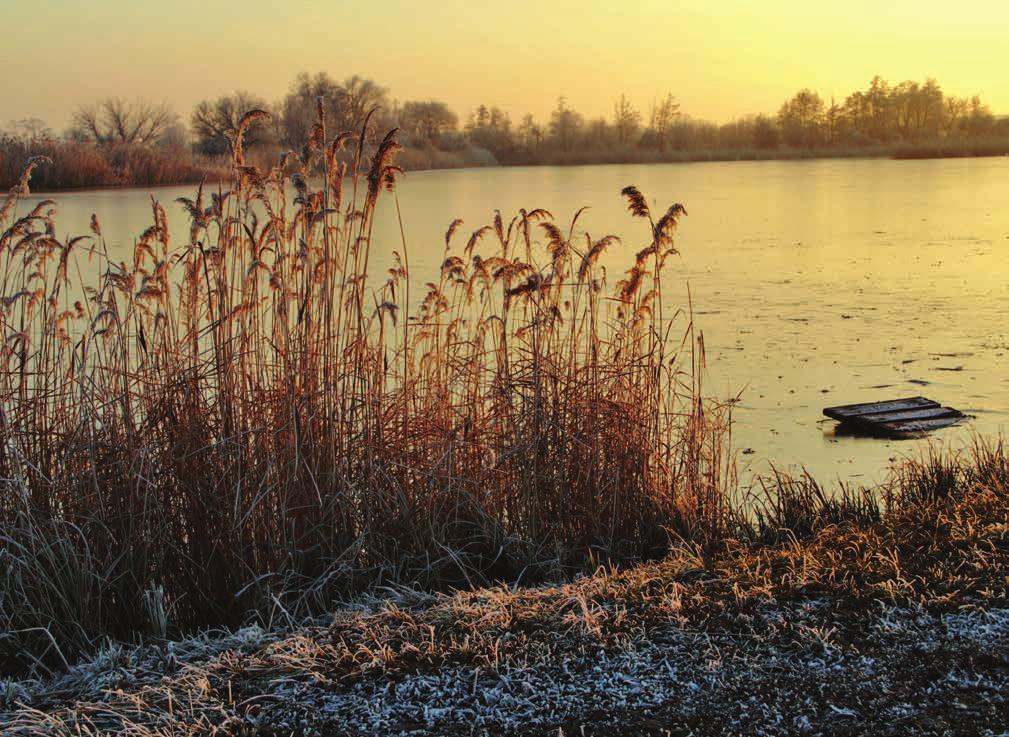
81,165
243,418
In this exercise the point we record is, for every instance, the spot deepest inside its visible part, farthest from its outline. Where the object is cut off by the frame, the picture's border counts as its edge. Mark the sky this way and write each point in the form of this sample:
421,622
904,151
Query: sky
722,60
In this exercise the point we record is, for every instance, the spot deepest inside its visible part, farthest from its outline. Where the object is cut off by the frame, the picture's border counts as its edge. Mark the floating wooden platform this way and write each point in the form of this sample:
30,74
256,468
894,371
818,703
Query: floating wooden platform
897,417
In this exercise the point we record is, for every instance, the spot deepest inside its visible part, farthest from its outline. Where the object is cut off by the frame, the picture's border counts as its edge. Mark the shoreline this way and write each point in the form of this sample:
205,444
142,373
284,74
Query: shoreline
879,628
688,158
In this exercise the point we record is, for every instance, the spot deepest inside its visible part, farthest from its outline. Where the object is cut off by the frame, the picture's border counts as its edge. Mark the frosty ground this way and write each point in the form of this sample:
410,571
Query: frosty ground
841,623
810,666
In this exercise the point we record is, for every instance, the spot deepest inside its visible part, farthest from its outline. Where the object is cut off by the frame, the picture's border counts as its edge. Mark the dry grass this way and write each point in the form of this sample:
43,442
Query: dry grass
895,626
985,146
81,165
243,419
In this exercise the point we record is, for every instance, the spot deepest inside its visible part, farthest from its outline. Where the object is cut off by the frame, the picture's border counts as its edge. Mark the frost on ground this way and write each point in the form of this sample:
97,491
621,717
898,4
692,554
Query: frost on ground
805,667
897,629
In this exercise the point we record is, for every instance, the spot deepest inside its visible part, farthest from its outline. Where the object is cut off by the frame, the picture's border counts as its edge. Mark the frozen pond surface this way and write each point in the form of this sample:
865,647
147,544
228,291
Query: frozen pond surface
815,282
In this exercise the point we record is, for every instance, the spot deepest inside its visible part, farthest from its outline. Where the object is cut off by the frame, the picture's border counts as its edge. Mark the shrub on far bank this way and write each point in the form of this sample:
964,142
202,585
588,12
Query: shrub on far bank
954,149
83,165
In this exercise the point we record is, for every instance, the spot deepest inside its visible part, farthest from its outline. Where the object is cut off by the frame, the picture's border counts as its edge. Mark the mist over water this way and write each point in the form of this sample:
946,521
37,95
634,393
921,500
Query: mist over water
815,282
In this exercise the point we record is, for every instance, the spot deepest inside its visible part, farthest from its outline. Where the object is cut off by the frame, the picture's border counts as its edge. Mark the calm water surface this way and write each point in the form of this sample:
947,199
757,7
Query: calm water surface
815,283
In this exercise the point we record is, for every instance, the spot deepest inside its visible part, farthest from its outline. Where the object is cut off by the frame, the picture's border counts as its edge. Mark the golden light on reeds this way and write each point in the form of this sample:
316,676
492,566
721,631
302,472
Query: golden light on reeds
251,410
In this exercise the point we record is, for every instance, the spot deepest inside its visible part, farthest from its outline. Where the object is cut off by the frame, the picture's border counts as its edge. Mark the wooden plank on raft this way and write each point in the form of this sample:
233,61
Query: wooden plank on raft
916,426
896,417
928,413
849,411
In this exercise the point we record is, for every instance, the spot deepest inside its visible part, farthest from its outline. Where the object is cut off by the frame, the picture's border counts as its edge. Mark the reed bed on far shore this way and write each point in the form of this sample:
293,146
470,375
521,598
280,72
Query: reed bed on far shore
85,166
244,420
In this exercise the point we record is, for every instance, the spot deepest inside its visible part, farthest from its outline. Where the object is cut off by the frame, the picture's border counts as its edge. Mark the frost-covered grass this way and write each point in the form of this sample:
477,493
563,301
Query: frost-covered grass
889,627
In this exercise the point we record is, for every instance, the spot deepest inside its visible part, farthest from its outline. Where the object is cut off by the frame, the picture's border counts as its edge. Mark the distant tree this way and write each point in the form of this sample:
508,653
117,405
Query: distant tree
626,120
530,133
360,95
703,133
801,119
565,125
954,110
479,118
427,120
833,120
114,120
765,132
738,134
346,104
682,135
490,128
928,110
212,119
599,134
174,138
30,129
488,117
300,107
917,109
871,115
979,120
664,115
904,98
856,116
880,108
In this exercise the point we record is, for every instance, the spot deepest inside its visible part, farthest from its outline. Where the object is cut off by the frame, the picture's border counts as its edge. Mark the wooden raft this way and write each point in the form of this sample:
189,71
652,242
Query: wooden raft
897,417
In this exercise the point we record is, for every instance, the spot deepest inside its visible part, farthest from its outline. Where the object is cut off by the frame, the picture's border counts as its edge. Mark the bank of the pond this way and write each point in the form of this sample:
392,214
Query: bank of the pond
77,167
827,623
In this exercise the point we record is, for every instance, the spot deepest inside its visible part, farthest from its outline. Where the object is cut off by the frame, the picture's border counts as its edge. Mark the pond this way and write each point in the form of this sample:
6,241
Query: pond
815,282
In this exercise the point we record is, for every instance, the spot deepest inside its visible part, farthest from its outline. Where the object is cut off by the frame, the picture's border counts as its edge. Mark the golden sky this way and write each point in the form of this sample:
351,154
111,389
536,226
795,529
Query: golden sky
722,59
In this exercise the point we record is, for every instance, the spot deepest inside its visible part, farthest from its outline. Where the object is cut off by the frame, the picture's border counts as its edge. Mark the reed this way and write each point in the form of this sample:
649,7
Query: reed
244,419
83,165
906,606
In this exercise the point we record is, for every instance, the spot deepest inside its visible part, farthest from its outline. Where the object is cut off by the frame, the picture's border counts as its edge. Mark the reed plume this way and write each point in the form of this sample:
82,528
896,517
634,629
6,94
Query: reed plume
240,420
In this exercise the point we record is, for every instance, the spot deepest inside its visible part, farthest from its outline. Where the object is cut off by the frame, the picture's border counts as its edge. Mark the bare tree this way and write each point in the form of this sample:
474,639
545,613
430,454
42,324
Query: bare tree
211,120
954,110
345,104
801,119
427,120
565,125
114,120
30,129
530,132
491,128
626,120
599,133
664,115
765,132
359,96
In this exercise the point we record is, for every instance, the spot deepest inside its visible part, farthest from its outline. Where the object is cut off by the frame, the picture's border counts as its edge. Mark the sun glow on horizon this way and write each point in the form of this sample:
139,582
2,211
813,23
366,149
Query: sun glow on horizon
721,62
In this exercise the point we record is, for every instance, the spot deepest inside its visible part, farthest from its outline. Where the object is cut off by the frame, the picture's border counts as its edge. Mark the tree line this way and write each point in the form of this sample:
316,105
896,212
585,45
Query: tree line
881,116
